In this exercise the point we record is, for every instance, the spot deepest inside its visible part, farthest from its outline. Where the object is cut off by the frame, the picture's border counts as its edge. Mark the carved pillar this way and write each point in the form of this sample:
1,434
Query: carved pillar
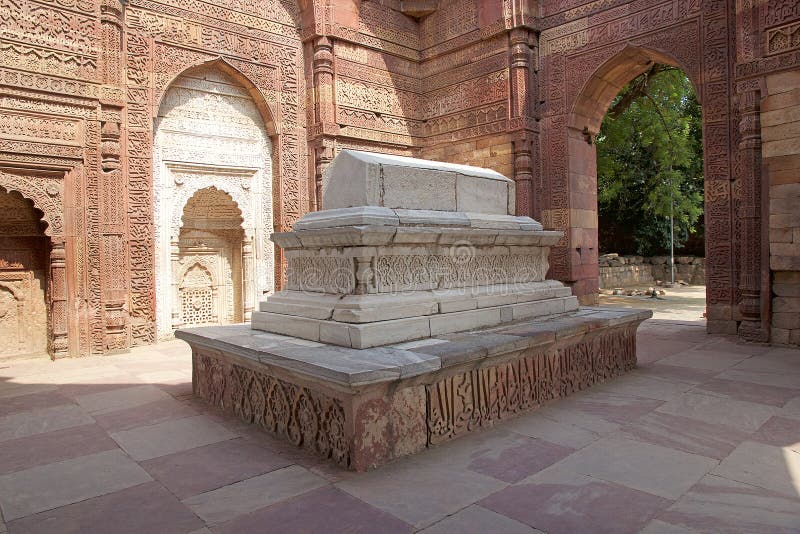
58,299
521,67
749,215
174,265
523,175
325,129
248,269
113,254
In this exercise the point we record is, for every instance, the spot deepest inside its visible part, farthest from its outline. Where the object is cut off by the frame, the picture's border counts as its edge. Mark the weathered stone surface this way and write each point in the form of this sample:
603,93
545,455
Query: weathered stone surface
357,178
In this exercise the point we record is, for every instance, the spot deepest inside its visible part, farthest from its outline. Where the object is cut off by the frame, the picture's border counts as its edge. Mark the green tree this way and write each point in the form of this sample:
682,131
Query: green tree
650,149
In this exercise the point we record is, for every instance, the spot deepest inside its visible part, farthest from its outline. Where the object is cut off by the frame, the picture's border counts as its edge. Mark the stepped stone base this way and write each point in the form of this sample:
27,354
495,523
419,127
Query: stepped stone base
363,408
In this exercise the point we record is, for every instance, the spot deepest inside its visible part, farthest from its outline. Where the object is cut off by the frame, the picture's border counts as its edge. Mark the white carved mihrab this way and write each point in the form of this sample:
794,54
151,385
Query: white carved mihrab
210,138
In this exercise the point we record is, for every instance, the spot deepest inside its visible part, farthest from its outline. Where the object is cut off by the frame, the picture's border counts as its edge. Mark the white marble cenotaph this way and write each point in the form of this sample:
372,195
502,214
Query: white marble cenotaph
407,249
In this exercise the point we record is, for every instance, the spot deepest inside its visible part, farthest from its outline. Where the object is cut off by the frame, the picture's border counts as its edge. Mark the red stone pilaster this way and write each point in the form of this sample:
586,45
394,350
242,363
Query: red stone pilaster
113,190
751,327
521,67
325,128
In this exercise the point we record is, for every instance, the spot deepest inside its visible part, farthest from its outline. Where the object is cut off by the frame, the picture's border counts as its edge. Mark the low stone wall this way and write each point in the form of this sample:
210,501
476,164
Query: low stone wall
623,271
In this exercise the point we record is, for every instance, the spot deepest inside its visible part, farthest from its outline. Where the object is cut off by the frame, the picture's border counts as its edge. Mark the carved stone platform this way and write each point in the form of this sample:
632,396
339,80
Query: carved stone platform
362,408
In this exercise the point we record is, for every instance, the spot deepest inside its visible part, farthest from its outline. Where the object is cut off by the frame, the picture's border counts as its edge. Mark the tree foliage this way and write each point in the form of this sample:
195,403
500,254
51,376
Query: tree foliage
649,149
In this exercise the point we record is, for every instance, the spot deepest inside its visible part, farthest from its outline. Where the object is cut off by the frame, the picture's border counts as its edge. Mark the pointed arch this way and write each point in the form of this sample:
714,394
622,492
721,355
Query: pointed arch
46,193
607,81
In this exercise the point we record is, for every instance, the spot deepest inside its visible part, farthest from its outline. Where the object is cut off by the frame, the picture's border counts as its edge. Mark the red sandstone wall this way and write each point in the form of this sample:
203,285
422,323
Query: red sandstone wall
780,130
496,83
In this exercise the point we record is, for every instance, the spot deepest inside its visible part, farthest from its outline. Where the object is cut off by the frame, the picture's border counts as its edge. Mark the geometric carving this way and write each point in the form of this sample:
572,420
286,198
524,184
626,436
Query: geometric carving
196,297
207,265
783,38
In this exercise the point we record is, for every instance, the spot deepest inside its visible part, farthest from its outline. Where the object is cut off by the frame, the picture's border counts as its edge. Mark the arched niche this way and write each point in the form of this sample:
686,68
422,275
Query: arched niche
211,135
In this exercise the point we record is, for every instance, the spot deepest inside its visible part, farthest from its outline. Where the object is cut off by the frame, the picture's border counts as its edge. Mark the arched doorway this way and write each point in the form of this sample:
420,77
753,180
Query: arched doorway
211,152
207,265
24,264
577,257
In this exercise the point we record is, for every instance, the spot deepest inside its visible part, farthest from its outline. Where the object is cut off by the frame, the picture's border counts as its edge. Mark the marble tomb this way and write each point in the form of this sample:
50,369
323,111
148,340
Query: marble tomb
416,309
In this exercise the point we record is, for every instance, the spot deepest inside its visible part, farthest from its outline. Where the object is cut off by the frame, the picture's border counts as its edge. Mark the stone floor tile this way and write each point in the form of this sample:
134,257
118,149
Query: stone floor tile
49,486
746,416
420,493
787,380
559,501
693,331
121,398
647,351
178,389
478,520
748,391
766,466
20,425
599,411
781,432
167,377
11,390
685,434
656,526
521,459
325,510
734,346
32,401
212,466
144,415
717,504
645,386
659,470
460,453
146,442
783,361
49,447
91,385
143,509
226,503
791,409
704,359
536,425
676,373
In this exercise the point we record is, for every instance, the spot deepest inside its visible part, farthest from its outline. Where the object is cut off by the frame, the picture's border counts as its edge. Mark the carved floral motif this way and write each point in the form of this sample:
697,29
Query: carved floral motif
305,417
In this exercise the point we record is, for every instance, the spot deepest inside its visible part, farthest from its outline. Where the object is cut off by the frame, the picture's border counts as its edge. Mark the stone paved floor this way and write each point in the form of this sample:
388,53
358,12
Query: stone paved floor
680,303
704,435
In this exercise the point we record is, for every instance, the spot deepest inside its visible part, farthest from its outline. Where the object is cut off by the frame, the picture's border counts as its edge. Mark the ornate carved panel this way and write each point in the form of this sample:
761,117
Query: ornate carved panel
212,164
481,397
307,418
23,278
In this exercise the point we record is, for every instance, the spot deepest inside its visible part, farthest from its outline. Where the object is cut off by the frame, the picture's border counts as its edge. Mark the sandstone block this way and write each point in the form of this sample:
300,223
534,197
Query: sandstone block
786,304
789,321
780,335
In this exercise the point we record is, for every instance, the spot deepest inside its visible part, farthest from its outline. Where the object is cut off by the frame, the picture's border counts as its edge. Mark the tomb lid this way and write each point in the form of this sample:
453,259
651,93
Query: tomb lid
356,178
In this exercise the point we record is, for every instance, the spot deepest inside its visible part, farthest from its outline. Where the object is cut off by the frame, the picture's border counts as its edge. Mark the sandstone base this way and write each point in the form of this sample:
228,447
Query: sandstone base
362,408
